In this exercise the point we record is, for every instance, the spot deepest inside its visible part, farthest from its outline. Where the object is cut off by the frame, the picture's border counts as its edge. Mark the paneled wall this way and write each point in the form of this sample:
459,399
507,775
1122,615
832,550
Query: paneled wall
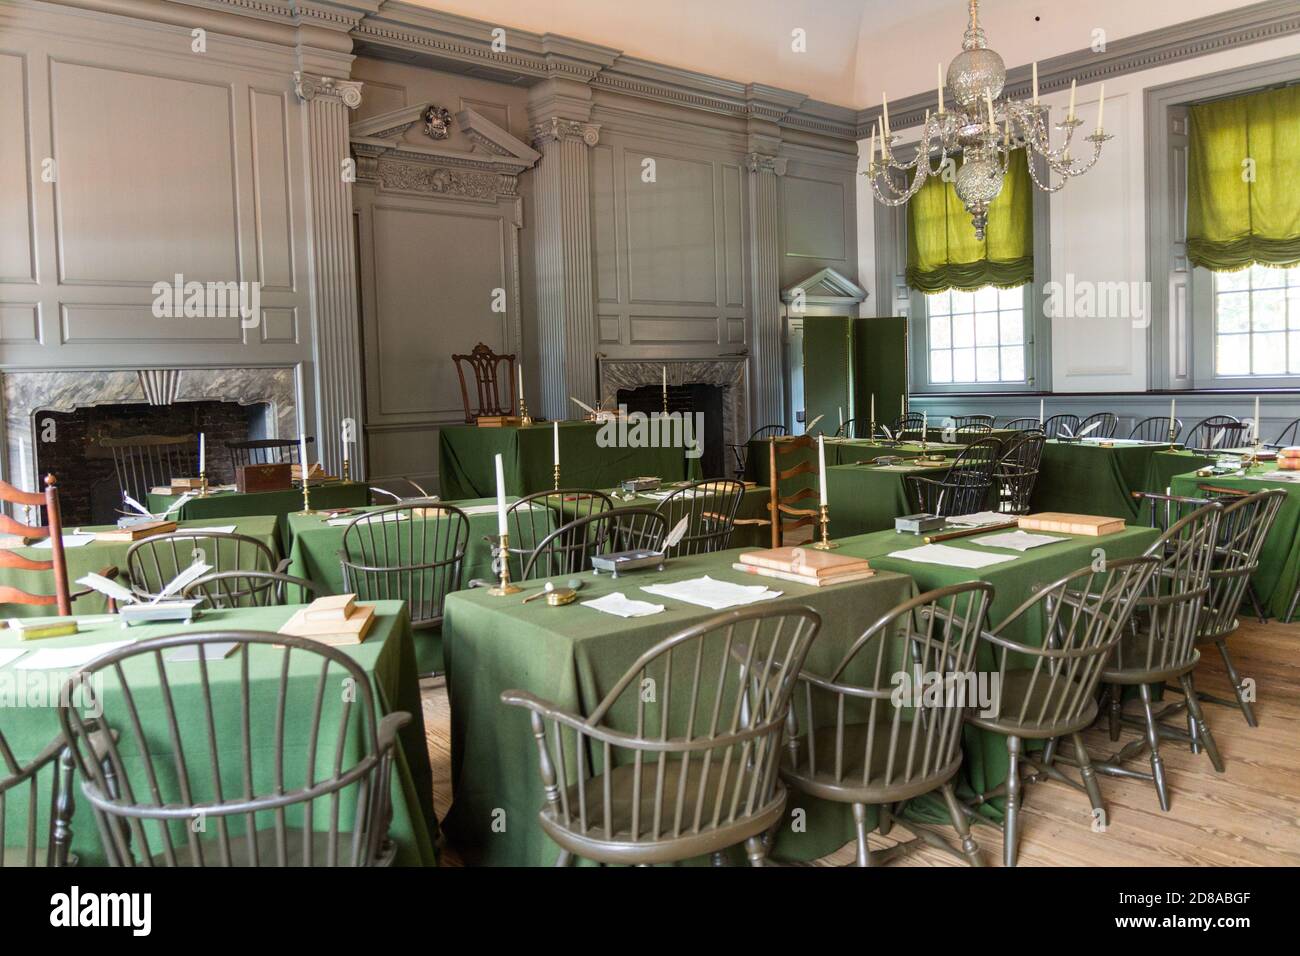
429,265
125,160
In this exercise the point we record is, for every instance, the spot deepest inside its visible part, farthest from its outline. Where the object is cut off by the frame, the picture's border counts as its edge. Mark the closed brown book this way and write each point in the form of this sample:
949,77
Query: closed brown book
1065,523
186,484
335,607
806,561
272,477
352,630
813,580
135,532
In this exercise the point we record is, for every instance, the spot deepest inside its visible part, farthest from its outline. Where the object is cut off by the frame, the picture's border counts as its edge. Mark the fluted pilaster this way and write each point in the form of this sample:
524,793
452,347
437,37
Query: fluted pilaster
327,110
768,392
566,294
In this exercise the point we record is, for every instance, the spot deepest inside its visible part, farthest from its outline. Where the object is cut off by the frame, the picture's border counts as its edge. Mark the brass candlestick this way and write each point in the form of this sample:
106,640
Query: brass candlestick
306,495
524,418
872,434
557,477
347,472
505,588
203,484
824,519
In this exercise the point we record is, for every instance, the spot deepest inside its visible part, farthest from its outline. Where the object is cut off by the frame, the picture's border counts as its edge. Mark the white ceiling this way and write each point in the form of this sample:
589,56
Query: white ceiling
856,48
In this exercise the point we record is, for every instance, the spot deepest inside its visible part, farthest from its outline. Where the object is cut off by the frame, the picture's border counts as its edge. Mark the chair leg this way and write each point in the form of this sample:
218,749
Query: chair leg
1255,602
1195,714
756,850
1116,710
1246,709
1089,775
1153,742
564,859
962,826
1010,827
886,818
1193,741
860,824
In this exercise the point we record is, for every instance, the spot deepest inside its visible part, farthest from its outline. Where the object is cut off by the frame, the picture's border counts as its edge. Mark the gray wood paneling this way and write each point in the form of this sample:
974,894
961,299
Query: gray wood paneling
16,228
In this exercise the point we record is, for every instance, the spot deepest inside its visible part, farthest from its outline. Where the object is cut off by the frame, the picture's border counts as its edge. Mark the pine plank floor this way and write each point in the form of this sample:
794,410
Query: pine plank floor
1247,816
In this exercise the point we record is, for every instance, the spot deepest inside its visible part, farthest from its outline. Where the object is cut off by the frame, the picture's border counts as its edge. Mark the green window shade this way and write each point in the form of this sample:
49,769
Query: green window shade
942,251
1233,222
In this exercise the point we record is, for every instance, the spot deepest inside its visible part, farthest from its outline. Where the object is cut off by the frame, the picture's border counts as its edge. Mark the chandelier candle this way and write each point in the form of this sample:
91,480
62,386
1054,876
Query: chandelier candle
976,79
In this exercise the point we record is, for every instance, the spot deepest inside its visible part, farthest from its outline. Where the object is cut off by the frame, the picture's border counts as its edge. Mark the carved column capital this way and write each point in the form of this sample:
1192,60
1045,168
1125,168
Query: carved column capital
309,88
763,163
557,128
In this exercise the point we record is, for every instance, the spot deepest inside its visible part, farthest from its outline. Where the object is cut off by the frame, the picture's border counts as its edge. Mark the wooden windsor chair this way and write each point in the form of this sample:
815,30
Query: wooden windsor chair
688,771
309,779
711,507
569,548
533,517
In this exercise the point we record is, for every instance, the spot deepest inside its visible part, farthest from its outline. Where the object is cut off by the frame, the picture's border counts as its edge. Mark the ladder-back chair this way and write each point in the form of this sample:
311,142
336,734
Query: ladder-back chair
53,532
783,509
686,771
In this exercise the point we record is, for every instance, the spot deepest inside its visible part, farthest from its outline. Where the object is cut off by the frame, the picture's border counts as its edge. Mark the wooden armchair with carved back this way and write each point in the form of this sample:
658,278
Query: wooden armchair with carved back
486,368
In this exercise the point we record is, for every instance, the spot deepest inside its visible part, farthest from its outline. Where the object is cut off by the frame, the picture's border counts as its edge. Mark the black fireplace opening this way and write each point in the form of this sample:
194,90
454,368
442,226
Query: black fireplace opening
687,400
68,445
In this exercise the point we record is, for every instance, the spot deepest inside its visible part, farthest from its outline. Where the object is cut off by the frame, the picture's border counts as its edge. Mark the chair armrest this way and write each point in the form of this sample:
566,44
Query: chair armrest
111,572
282,566
389,727
755,522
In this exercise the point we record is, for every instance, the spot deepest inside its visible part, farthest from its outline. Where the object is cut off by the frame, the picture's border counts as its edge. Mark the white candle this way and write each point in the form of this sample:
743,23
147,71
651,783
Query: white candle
841,416
1035,82
1040,411
988,99
343,438
1173,416
1101,105
521,384
555,433
202,454
665,387
871,151
501,497
1071,115
925,425
902,403
1256,418
821,469
873,408
884,123
940,74
302,455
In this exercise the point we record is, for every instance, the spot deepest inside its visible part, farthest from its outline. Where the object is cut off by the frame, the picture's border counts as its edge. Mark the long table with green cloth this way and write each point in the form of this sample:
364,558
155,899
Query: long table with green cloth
573,655
236,504
95,556
466,459
865,497
840,451
1279,563
1089,477
387,655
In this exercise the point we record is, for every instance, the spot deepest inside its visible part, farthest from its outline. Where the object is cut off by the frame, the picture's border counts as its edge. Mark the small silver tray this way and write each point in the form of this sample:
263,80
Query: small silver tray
617,562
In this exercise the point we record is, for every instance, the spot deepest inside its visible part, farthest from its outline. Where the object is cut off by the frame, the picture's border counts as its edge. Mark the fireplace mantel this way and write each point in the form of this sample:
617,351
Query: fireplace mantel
730,373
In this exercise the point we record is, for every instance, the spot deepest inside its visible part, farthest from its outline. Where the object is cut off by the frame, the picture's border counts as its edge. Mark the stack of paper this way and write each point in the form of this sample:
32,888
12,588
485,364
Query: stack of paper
716,595
621,605
1016,540
66,658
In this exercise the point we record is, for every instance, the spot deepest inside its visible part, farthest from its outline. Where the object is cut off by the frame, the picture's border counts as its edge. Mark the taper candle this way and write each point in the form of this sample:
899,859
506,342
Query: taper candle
1256,429
1173,414
1040,411
821,468
521,384
1101,105
841,416
203,457
302,455
940,69
873,407
1035,82
1070,116
555,433
501,497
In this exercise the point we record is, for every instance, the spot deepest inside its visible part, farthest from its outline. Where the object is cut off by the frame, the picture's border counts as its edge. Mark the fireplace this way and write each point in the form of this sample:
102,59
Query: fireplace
720,385
69,409
704,400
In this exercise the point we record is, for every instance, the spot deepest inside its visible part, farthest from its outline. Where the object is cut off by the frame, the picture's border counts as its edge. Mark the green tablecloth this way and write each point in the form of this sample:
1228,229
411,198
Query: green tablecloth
1166,464
98,555
466,460
234,504
753,505
387,655
865,498
1279,563
572,656
1088,478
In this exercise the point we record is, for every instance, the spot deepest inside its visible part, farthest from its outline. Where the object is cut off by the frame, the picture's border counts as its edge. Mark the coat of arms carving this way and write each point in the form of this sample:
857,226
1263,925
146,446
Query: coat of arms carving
437,122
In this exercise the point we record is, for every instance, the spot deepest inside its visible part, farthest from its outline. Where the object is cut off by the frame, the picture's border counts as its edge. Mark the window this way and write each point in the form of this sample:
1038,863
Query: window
1257,321
977,336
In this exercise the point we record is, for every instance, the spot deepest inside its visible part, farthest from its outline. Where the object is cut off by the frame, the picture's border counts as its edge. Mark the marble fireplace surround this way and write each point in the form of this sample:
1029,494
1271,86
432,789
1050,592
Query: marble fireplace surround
29,392
729,374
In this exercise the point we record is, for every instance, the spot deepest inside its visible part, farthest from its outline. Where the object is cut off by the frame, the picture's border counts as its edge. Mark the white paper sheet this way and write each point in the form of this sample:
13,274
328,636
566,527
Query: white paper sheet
951,557
716,595
1016,540
1292,476
367,519
979,518
75,540
10,654
621,605
219,528
65,658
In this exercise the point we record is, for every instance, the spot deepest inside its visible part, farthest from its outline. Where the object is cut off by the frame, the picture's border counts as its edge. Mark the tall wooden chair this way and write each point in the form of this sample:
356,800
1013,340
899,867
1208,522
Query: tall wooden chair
297,773
485,366
57,564
782,509
689,770
145,461
1047,691
857,736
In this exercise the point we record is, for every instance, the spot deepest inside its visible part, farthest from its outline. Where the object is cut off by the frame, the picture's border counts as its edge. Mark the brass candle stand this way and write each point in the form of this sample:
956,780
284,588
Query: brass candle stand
824,519
524,418
347,471
203,484
505,588
306,494
557,477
